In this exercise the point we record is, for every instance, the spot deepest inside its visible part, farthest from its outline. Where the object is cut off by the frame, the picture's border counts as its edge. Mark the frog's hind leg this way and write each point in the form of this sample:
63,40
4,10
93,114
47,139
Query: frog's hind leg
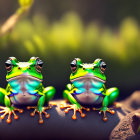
75,106
44,99
111,95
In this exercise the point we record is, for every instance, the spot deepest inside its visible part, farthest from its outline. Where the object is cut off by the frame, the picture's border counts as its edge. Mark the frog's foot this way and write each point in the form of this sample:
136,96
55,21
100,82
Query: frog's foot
40,111
75,109
9,111
104,110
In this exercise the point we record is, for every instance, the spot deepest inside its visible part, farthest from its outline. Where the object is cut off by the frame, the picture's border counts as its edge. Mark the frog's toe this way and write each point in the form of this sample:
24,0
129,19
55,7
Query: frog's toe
87,109
47,115
105,119
83,115
40,121
104,110
68,109
9,111
43,110
80,111
32,114
74,117
111,111
75,109
104,115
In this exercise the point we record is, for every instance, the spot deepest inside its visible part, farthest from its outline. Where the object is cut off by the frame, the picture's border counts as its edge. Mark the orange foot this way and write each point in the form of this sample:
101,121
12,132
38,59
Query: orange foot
7,110
104,110
40,112
75,109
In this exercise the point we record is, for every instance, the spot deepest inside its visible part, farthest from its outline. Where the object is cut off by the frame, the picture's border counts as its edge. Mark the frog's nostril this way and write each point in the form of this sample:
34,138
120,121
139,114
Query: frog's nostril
19,68
93,68
83,68
29,68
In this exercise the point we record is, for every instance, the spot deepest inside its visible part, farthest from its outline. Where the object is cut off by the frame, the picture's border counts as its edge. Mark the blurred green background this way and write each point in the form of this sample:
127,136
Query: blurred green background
59,30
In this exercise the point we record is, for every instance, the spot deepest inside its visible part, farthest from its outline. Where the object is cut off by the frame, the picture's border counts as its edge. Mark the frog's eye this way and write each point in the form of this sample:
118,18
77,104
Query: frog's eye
102,66
8,65
39,65
73,65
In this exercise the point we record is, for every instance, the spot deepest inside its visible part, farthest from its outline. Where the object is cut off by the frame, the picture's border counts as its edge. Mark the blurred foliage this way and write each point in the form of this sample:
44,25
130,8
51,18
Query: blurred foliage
69,36
9,24
24,5
59,41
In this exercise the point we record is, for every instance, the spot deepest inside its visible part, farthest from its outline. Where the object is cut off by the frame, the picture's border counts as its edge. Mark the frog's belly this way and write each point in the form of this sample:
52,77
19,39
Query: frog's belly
89,98
23,90
24,99
88,90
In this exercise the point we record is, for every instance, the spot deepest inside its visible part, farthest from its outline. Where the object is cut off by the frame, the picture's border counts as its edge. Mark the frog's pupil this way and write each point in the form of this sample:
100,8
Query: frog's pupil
104,65
73,65
40,64
7,64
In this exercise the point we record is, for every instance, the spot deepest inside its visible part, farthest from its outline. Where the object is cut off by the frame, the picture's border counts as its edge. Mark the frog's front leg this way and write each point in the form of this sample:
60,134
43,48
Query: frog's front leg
48,94
110,97
75,106
9,109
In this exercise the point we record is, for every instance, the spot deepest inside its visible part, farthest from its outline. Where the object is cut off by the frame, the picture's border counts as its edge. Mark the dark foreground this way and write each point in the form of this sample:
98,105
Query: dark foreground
122,125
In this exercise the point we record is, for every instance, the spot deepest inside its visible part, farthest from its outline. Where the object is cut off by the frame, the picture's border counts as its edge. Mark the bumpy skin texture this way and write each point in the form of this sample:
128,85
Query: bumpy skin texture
24,88
88,87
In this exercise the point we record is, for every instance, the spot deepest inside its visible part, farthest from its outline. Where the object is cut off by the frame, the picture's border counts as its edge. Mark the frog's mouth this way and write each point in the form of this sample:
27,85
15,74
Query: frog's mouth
88,76
24,76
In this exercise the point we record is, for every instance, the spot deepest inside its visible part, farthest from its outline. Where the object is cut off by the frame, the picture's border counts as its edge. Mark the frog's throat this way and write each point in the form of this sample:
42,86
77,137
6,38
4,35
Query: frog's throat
24,76
88,77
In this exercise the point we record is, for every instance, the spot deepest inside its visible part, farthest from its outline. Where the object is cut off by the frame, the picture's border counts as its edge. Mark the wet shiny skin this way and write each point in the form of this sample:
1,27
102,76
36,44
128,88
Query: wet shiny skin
23,90
88,91
88,87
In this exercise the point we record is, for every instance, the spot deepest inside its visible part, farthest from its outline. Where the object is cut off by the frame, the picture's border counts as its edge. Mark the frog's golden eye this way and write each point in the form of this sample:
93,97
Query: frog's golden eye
8,65
102,66
73,66
39,65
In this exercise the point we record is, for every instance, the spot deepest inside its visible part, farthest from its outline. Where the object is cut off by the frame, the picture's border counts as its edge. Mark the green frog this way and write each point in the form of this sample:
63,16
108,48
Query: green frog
25,88
88,88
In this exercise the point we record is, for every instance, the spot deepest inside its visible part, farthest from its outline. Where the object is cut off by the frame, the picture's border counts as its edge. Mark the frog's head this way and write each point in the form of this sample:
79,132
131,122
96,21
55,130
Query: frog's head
31,69
93,70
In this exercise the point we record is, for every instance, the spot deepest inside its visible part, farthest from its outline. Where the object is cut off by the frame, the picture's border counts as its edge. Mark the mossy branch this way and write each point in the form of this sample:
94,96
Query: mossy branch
9,24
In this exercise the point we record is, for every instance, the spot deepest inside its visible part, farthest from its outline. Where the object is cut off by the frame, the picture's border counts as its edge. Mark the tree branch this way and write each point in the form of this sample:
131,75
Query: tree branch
10,23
